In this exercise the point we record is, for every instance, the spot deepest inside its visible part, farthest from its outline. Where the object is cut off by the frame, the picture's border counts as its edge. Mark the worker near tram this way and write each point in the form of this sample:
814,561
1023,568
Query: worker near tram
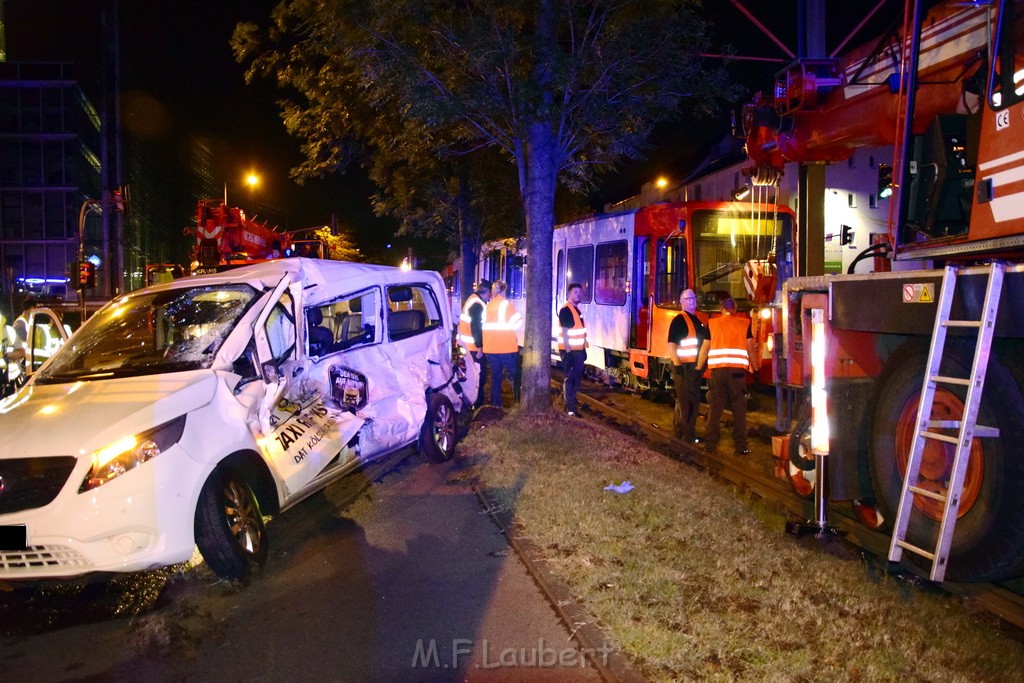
500,345
572,346
686,336
471,332
729,355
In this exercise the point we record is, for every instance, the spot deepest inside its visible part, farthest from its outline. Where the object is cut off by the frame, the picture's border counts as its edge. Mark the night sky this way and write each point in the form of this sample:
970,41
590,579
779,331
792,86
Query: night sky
177,63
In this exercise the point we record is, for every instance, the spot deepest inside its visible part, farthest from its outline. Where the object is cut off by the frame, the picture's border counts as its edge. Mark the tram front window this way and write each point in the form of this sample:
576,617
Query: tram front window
732,250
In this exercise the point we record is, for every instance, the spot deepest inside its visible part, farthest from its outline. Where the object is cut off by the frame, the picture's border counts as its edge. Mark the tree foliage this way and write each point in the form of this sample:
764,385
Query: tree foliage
340,247
560,87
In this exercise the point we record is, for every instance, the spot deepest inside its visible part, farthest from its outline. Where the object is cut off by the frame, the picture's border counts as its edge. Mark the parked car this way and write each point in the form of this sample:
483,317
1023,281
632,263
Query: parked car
181,414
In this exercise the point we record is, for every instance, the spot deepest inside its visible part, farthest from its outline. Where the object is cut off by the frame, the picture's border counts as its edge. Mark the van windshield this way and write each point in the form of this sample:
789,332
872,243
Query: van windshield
150,333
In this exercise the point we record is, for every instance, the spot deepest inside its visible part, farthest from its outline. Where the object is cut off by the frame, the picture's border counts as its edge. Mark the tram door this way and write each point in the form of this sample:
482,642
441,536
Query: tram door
640,318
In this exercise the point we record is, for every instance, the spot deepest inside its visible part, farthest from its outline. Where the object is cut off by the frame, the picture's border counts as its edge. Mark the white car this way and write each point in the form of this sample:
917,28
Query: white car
181,414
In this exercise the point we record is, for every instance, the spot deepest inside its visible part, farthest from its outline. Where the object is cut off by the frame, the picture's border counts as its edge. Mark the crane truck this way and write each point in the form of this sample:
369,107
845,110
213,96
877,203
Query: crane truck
227,238
916,372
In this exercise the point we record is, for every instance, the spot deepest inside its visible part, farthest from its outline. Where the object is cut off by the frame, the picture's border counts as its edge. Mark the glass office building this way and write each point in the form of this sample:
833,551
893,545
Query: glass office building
49,165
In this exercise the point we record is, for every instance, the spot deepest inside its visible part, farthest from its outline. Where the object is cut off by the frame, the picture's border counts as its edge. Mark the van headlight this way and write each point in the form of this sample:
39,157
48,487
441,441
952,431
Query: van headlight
126,454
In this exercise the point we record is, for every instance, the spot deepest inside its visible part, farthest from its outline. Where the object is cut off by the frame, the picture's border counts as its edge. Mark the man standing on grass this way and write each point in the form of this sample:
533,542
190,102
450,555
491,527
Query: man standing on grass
572,346
501,347
686,336
729,356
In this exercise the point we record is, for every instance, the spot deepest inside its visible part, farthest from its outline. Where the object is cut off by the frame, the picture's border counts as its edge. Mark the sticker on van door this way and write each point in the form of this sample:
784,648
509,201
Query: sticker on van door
307,439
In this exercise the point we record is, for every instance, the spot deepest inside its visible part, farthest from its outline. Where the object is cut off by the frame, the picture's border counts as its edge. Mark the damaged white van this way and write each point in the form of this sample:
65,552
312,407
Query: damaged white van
181,414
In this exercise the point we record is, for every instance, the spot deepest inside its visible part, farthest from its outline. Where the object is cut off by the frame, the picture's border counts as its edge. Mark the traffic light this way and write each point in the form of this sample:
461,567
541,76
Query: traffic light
846,236
83,275
884,181
118,199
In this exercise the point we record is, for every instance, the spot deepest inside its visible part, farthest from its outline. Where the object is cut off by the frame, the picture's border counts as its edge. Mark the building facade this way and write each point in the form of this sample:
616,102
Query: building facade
50,137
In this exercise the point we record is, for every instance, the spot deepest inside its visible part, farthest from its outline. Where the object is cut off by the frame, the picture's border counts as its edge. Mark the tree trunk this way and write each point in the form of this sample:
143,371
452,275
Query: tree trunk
469,238
539,202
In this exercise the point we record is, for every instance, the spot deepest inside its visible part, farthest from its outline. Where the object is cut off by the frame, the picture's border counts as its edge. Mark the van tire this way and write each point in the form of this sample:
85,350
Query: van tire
439,431
229,526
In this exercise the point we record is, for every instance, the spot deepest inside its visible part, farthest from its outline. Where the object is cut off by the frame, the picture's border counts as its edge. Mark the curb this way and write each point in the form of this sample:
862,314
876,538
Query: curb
614,666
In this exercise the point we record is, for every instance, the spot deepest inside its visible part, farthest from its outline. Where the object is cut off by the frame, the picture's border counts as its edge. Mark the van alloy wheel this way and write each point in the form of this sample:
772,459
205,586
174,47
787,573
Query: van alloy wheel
438,433
229,527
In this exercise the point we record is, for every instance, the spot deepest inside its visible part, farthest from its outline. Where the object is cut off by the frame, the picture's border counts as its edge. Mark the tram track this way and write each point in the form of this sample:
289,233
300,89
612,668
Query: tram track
1004,603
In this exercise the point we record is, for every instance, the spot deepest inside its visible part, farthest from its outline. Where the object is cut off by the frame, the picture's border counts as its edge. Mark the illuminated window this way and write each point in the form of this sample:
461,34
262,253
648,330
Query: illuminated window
610,280
580,268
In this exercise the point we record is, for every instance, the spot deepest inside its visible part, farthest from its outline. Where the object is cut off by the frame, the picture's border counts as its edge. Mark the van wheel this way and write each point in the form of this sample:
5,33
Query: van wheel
438,434
988,541
229,526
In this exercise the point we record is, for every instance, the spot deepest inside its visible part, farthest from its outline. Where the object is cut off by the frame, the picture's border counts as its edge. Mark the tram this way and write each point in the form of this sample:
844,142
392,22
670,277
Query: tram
632,266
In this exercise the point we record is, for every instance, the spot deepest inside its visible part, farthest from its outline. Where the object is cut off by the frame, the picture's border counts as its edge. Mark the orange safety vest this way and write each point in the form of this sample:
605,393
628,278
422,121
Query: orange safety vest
465,323
729,342
501,320
577,333
686,349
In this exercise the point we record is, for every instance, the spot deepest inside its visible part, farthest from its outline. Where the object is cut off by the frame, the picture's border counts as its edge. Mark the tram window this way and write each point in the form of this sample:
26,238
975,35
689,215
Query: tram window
670,273
610,283
580,268
515,267
1008,66
490,266
560,275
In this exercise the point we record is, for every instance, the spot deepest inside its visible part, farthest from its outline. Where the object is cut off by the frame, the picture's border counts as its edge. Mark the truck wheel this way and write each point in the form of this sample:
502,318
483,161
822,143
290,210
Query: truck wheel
801,468
988,542
229,526
438,434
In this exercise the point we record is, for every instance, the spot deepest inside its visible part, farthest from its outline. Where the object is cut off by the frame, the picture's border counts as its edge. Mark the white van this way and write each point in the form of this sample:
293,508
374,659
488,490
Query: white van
181,414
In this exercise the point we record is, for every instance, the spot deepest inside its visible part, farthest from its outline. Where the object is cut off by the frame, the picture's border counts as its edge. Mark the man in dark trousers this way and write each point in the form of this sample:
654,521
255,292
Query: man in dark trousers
471,332
729,355
500,343
686,335
572,346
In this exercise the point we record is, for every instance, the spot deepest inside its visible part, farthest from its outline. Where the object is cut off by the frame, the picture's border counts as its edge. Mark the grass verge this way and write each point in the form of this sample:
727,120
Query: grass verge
694,582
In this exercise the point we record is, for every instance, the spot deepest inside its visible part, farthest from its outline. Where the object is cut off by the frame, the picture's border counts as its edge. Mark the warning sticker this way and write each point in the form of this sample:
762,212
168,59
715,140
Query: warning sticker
921,293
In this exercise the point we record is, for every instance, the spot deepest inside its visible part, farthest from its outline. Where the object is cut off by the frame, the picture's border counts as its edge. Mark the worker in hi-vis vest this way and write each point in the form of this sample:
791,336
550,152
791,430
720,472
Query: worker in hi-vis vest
686,335
729,355
500,345
572,346
471,333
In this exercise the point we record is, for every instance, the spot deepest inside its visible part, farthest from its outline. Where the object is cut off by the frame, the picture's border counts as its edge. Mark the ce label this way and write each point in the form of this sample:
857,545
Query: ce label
1003,119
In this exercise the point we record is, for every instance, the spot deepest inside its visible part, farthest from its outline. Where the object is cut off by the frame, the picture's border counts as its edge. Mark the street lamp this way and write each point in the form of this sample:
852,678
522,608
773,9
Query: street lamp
252,180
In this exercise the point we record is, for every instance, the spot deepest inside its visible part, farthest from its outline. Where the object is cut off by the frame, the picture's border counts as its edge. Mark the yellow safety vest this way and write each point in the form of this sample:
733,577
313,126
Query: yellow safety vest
577,333
465,323
501,320
729,342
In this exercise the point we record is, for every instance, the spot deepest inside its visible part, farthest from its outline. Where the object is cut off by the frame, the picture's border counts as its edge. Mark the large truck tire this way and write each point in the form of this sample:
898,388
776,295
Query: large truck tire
988,542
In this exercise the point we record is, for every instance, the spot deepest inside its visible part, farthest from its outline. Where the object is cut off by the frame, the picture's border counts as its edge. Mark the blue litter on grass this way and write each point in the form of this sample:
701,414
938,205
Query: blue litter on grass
624,487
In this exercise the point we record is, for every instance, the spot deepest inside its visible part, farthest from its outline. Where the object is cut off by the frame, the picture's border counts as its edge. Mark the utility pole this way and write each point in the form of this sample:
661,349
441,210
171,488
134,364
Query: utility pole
810,248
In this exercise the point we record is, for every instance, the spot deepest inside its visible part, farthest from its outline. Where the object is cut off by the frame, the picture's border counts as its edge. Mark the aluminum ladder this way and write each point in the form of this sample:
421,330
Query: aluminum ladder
967,428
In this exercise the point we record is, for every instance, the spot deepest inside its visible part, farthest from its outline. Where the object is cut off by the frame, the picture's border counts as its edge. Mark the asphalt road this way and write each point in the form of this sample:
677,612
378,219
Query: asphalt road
402,578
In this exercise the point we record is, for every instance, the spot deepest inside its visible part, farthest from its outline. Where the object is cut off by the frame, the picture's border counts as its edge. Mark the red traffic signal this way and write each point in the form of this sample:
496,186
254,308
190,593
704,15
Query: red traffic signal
83,275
